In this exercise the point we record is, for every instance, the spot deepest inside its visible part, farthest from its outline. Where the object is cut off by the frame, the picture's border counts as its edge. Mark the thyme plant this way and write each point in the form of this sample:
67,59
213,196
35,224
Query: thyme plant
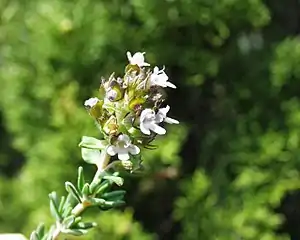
129,112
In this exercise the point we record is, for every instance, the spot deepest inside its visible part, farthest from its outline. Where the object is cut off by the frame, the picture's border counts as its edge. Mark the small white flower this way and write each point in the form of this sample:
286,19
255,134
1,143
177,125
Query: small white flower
148,122
123,147
111,94
160,78
137,59
161,116
91,102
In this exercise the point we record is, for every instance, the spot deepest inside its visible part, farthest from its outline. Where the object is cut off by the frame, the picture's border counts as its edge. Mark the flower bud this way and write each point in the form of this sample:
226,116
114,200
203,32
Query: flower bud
111,127
95,110
114,92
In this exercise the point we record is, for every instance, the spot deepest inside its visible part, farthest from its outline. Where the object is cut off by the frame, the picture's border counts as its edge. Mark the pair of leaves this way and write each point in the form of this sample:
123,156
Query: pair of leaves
90,149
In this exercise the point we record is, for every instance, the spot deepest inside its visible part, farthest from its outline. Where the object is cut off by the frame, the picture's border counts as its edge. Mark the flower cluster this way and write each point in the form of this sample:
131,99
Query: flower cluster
129,110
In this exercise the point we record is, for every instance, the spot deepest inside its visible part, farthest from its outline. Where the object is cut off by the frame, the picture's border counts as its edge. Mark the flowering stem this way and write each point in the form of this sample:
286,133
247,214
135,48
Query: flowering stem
80,207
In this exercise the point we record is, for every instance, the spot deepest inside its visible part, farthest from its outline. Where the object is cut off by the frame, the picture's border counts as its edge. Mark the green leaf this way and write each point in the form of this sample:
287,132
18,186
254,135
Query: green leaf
40,230
72,190
91,156
86,190
53,207
117,180
34,236
114,195
80,179
92,143
86,225
55,198
99,188
97,201
61,204
68,221
75,232
111,204
77,220
67,210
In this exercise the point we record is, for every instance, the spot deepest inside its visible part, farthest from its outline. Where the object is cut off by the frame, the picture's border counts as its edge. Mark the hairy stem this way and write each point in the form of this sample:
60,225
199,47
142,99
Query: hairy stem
80,207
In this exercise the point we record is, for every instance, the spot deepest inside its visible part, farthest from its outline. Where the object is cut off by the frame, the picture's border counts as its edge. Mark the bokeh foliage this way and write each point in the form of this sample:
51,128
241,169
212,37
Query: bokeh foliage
223,174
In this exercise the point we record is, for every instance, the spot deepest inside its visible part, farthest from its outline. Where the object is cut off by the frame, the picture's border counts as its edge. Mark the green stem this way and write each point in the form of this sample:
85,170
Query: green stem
80,207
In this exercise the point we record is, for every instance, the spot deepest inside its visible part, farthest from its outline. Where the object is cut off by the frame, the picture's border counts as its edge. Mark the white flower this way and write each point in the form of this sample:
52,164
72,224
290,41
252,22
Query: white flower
161,116
160,78
123,147
91,102
137,59
148,122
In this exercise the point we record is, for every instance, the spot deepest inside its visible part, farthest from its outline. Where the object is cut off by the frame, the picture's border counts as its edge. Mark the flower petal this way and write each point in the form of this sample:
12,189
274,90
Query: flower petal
155,70
171,120
147,113
164,110
144,129
91,102
111,150
129,56
171,85
157,129
124,138
123,156
133,149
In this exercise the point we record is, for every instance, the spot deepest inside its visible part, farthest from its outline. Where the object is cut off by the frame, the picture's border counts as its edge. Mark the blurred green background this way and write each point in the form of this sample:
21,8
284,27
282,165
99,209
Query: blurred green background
229,171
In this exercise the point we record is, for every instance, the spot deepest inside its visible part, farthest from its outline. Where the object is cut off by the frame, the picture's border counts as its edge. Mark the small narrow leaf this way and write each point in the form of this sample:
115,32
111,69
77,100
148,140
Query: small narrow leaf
72,190
119,194
75,232
34,236
80,179
61,204
40,230
92,143
117,203
54,208
117,180
67,210
101,187
94,185
98,201
86,190
68,221
90,156
77,220
55,198
86,225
